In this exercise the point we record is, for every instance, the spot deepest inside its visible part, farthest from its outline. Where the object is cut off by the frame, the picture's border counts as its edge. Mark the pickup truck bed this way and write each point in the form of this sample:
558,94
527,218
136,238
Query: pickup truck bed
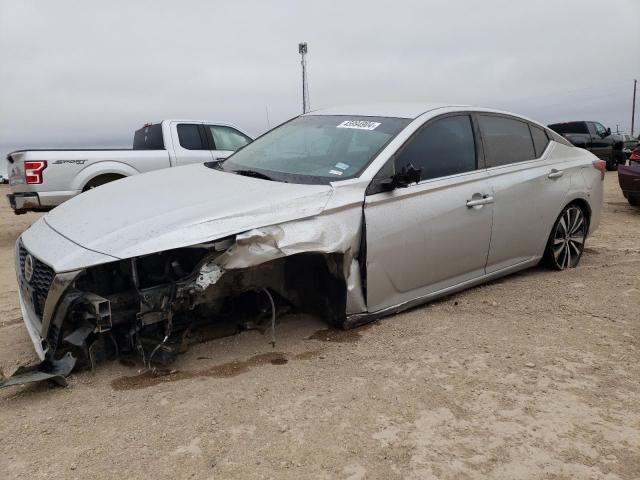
69,172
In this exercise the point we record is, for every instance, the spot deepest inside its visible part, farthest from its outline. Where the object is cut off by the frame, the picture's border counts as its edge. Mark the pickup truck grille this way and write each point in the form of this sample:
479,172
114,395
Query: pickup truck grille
36,290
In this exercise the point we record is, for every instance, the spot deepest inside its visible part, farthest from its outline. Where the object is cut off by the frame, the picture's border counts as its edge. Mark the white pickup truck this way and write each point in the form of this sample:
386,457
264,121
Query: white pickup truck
42,179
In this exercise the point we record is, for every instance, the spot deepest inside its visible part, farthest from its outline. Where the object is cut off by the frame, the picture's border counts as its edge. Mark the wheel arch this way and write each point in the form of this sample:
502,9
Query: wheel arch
101,179
98,169
584,205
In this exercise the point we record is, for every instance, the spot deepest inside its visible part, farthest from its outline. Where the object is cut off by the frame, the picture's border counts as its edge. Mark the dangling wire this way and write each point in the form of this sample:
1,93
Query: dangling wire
166,337
273,318
155,350
167,334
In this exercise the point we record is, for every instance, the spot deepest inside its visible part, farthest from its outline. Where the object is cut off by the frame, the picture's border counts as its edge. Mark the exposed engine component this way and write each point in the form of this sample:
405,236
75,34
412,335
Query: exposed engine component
154,305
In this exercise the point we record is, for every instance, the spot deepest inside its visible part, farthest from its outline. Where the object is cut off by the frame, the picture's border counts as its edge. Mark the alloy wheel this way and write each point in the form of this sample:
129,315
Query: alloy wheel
568,238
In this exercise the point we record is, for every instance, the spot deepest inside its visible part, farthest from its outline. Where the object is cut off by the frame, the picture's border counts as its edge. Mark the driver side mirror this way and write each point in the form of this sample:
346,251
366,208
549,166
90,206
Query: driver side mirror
407,175
608,132
402,179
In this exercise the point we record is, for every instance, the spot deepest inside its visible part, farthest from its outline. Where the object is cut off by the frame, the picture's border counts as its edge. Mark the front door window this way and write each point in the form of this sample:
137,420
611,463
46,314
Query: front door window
444,147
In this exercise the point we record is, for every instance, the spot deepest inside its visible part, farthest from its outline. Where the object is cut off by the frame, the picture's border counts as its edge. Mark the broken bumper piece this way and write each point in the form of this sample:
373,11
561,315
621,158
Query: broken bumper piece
49,369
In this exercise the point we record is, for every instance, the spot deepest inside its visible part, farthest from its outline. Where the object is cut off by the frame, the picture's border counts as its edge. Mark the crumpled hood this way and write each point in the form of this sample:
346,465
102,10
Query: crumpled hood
177,207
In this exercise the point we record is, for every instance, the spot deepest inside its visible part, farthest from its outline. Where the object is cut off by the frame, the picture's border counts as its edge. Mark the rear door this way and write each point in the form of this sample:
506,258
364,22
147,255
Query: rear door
190,144
225,140
435,234
529,188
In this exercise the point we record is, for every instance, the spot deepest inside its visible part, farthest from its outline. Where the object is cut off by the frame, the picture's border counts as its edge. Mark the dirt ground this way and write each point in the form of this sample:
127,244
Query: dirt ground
533,376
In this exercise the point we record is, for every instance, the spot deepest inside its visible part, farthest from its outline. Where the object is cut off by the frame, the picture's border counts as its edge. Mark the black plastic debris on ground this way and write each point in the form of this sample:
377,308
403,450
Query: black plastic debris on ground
48,370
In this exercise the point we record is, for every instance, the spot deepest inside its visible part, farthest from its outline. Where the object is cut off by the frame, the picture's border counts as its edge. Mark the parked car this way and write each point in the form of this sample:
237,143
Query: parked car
42,179
350,213
593,136
626,141
629,178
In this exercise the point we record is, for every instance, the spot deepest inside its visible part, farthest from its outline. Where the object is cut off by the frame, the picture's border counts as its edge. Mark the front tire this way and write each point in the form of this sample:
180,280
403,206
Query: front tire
566,241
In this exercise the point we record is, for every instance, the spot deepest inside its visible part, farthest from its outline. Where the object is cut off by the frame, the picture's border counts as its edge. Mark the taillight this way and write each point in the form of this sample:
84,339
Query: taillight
635,155
600,165
33,171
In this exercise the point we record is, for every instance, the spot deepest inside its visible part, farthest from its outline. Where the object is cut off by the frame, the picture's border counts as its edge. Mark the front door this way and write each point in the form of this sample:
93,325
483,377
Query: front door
434,234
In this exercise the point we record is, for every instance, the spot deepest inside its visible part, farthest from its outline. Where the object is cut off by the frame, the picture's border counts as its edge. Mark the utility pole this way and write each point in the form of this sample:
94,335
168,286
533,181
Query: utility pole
302,50
633,106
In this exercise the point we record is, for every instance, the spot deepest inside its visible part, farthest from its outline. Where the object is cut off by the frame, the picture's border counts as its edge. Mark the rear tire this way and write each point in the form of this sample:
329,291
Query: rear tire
633,200
566,241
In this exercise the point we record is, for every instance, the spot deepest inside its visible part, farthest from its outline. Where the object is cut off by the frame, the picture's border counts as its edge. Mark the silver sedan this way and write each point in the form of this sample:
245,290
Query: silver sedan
349,213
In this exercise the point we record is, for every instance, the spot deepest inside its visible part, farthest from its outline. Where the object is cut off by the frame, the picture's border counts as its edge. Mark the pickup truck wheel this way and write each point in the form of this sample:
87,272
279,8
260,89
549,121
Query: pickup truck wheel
101,180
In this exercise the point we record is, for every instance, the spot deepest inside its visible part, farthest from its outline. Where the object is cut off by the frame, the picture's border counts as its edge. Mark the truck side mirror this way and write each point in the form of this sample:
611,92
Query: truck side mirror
607,132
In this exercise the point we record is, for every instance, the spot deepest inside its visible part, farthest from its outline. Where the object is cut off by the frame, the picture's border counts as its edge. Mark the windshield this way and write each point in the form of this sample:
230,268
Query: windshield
317,149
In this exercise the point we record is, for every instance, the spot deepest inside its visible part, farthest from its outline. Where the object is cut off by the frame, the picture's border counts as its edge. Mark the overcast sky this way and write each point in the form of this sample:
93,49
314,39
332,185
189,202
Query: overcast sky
88,73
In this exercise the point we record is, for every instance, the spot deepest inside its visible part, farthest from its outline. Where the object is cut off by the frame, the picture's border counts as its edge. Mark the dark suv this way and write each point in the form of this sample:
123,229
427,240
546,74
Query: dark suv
594,137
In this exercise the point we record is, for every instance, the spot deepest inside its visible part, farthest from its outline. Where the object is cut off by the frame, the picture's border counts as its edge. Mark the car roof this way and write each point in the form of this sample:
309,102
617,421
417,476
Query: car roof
412,110
397,109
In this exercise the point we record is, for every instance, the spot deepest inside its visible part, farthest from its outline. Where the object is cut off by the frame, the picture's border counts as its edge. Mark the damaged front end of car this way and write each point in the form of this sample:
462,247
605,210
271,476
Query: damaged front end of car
154,305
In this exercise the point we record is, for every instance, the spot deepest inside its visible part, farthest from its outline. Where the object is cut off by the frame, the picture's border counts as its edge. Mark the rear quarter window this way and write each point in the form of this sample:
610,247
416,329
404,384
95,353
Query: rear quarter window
507,140
540,140
149,137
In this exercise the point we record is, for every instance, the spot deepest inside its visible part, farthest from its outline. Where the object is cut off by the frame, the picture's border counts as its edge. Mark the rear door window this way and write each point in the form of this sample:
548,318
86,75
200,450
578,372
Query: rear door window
227,138
190,137
540,140
444,147
507,140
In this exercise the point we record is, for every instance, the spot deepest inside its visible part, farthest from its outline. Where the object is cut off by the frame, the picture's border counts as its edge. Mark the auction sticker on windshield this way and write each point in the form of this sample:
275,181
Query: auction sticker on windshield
359,124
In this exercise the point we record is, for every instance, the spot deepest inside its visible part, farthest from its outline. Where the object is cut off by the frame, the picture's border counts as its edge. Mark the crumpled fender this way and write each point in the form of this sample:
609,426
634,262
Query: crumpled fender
337,232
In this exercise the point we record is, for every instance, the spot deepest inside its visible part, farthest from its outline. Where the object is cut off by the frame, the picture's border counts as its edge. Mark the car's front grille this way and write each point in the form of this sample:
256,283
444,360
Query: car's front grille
38,287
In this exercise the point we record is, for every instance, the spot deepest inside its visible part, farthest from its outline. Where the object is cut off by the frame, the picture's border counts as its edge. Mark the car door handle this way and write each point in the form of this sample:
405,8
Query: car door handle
555,173
480,201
